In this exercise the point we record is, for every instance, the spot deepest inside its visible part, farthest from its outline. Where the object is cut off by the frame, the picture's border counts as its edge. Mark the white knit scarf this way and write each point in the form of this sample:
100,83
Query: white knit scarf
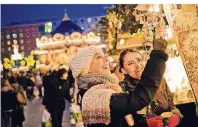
96,101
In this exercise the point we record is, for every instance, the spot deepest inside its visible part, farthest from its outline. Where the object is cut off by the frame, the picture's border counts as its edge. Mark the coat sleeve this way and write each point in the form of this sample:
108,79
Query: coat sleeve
67,92
48,87
123,104
45,100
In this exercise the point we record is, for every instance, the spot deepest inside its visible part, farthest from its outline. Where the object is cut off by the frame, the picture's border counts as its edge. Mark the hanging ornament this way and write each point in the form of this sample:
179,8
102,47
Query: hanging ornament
22,62
37,62
8,63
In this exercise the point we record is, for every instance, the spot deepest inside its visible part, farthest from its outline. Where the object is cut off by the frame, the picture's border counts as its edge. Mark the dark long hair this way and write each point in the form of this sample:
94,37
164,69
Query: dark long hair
60,72
122,54
70,77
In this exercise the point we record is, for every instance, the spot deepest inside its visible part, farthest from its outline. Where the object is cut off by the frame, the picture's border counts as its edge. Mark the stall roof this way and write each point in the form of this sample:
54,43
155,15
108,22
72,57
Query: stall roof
67,26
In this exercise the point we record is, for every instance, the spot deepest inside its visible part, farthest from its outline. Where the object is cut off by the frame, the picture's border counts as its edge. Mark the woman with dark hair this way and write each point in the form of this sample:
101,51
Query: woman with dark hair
70,78
56,90
132,65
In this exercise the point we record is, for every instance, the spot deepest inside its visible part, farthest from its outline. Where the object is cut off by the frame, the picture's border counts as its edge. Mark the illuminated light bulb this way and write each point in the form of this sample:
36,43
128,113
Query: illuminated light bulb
37,40
111,46
110,59
89,20
50,23
114,64
169,33
156,8
122,41
49,30
151,9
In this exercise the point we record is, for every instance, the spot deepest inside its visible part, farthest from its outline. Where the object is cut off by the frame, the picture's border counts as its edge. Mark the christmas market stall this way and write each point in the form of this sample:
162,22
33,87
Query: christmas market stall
136,26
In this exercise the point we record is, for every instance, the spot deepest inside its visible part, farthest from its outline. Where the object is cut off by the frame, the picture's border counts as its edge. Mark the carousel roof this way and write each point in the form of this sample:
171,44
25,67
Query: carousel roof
67,26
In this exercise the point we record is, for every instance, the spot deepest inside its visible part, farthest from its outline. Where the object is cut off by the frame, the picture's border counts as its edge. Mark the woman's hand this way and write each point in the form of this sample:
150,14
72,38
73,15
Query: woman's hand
160,44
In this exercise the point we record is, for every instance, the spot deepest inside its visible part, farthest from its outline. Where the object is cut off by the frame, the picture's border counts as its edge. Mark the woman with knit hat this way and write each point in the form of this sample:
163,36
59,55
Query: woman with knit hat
103,102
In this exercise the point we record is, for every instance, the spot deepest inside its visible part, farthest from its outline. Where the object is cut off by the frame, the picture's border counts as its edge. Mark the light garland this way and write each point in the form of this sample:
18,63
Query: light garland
60,40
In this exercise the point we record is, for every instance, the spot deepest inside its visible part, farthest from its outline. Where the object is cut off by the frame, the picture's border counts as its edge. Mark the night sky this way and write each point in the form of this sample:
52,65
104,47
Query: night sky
10,13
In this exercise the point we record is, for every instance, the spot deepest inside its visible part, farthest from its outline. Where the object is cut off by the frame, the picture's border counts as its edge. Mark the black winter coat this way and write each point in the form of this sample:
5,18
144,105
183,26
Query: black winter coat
122,104
55,92
9,102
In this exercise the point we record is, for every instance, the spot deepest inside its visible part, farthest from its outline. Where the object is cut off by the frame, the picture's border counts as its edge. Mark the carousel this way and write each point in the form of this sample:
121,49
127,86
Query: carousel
58,50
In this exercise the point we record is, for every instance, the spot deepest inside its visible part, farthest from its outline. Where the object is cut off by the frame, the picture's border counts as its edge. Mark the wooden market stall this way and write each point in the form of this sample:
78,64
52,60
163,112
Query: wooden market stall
179,25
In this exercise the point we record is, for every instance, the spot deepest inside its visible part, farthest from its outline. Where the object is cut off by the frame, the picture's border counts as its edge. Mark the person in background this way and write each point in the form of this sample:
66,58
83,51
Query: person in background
7,107
30,86
56,89
103,102
23,80
38,82
132,65
11,104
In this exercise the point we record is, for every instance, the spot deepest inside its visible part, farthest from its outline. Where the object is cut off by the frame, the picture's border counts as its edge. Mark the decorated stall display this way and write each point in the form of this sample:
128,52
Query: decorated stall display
8,63
185,24
130,26
138,25
178,82
16,55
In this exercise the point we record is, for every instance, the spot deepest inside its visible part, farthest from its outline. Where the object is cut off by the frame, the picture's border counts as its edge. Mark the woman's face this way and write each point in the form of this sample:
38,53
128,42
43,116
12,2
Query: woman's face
133,64
64,76
100,64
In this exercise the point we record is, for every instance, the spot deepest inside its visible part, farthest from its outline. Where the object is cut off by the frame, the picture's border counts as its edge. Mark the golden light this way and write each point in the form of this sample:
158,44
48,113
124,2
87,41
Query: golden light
75,38
114,64
1,67
111,46
151,9
156,8
122,41
169,33
89,20
110,59
22,62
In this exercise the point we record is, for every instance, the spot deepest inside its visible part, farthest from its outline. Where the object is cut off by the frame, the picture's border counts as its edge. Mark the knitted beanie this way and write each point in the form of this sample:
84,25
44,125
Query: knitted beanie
80,63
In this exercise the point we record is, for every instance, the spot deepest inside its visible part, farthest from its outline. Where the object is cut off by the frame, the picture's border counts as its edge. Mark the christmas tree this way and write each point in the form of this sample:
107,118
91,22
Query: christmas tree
119,19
